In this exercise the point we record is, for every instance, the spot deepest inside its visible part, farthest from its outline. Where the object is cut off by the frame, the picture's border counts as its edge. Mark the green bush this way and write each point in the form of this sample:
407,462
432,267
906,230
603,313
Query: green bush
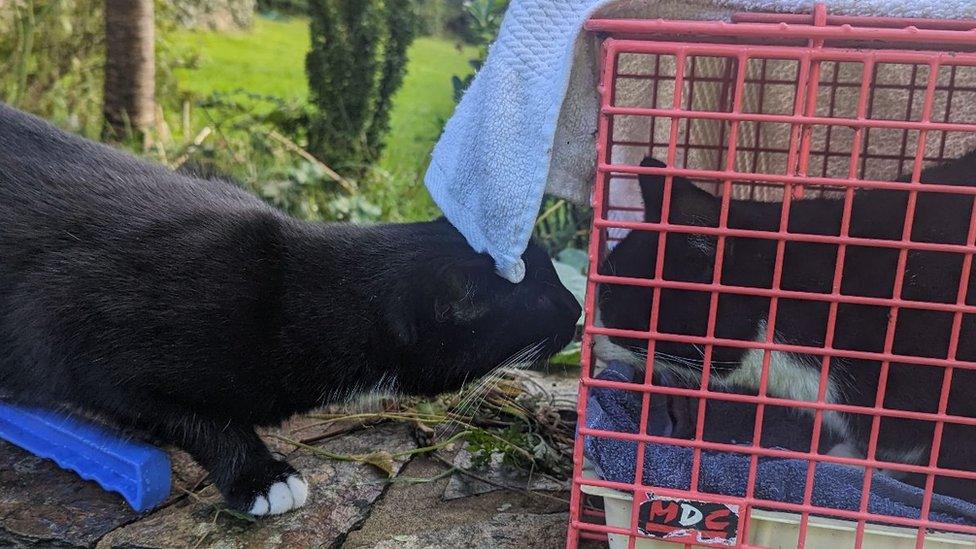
440,17
401,26
481,21
307,192
356,63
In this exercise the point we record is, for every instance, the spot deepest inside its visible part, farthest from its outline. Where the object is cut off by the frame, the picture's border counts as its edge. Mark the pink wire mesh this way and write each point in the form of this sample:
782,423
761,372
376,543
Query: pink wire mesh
782,108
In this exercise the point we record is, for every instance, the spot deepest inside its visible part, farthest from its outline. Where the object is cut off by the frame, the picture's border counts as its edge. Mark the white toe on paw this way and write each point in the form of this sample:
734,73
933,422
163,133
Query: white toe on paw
287,495
260,506
279,498
299,490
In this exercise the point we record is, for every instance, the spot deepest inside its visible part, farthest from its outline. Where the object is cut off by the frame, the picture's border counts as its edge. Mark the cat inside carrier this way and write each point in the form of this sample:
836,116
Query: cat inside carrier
780,339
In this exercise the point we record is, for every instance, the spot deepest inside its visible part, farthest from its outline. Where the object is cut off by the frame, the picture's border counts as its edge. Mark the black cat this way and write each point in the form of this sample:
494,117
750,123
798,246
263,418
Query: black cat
869,271
188,309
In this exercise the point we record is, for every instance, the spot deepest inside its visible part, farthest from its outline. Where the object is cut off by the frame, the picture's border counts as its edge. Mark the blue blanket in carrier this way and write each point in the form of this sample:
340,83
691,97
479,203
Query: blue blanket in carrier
835,486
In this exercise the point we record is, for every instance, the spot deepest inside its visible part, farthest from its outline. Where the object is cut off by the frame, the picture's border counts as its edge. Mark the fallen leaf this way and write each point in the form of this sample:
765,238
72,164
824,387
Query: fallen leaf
381,460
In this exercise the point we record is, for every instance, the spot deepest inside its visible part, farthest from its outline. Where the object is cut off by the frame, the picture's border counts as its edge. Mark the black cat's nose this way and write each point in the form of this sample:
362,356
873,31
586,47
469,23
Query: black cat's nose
563,310
567,306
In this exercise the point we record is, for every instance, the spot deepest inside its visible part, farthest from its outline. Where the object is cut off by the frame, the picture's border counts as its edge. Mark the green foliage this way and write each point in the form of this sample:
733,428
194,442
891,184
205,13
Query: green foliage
51,57
483,445
401,197
258,149
171,55
439,17
241,129
356,63
308,193
483,20
354,209
525,434
561,225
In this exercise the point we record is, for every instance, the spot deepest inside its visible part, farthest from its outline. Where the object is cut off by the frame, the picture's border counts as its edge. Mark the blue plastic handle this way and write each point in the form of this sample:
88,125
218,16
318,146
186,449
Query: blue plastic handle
138,471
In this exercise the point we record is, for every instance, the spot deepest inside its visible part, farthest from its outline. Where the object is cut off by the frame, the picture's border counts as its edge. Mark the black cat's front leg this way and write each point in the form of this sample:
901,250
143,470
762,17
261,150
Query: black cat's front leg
240,465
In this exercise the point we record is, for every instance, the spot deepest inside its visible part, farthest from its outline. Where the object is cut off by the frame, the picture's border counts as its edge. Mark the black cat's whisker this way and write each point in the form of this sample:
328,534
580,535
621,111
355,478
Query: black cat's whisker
519,361
685,361
457,411
531,356
489,380
464,382
694,362
683,368
482,386
477,394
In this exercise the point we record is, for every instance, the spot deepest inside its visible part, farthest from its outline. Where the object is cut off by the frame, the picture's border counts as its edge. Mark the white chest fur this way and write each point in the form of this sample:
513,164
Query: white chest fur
790,376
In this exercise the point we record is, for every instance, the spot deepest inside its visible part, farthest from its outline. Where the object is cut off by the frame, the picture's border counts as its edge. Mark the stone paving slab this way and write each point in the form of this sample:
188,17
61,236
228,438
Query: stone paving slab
503,531
340,497
351,504
416,514
41,504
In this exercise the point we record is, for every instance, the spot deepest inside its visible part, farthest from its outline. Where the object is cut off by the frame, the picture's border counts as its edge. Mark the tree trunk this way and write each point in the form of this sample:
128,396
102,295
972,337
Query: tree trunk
130,67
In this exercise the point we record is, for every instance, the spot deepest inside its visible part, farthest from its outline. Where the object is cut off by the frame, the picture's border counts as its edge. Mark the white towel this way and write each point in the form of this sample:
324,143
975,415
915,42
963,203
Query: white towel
528,121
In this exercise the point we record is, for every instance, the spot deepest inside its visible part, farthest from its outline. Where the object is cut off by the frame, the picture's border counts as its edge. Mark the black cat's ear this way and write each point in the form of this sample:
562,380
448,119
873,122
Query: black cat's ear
652,190
689,204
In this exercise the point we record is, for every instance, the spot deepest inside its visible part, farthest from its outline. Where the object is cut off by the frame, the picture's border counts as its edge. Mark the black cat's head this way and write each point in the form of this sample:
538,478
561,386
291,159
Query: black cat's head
688,257
453,319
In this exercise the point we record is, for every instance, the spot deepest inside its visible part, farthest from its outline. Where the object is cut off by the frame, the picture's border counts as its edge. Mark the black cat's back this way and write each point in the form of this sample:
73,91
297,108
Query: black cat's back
48,172
92,240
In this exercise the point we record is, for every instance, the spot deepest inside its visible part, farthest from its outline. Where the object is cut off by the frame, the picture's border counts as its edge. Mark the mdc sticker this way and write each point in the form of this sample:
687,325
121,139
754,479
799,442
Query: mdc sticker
688,521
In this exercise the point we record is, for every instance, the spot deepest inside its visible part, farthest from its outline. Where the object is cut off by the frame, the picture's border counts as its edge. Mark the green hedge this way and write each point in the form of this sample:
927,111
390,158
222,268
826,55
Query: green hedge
356,64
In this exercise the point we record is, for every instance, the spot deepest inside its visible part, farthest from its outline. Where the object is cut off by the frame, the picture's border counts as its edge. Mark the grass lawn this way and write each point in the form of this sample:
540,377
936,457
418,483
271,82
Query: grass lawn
420,108
423,103
269,59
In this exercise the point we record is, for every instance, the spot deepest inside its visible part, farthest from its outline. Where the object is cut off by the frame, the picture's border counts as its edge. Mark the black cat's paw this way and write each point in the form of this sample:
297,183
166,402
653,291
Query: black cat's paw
274,490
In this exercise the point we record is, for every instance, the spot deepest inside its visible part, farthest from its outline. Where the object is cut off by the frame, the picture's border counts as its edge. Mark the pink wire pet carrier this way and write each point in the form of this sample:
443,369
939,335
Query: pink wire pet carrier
782,108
